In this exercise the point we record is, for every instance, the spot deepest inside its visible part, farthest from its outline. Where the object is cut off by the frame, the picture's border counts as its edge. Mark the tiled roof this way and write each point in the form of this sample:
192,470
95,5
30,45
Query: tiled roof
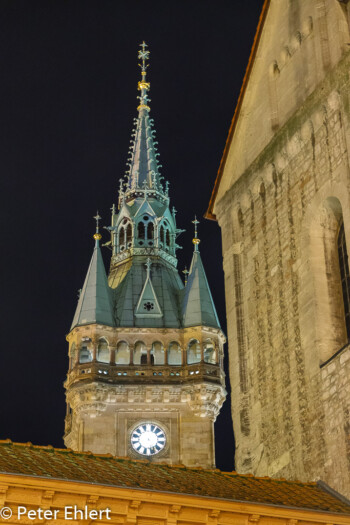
62,464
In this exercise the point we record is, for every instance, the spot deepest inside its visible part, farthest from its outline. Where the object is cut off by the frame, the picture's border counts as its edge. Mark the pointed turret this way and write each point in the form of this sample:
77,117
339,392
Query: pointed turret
198,305
143,172
95,305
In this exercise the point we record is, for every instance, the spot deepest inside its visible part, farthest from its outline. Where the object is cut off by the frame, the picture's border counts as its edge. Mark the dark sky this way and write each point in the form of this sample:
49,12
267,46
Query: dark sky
68,87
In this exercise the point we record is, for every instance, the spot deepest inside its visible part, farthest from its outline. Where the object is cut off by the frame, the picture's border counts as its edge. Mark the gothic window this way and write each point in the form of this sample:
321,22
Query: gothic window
161,236
174,354
193,352
102,351
209,353
158,353
141,230
129,235
122,355
121,239
167,239
344,275
150,233
85,354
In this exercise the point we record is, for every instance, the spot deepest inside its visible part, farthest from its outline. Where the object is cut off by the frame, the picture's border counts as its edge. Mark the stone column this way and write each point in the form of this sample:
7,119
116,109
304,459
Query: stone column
94,349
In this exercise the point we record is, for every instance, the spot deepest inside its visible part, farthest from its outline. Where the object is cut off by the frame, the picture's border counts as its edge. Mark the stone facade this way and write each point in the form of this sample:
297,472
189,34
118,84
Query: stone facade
107,400
281,198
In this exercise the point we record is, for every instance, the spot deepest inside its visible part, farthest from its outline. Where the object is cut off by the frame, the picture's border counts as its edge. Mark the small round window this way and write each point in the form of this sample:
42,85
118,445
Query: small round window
149,306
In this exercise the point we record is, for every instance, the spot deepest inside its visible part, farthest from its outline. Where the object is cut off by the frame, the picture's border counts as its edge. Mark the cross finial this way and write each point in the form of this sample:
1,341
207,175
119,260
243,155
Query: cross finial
148,266
97,235
144,56
195,240
143,86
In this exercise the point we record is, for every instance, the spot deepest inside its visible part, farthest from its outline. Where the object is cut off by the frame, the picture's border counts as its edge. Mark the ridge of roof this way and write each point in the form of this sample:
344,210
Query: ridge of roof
209,214
47,462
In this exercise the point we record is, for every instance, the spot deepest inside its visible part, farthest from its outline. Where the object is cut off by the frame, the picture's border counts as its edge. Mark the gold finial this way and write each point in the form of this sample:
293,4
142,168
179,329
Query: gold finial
195,240
185,272
97,235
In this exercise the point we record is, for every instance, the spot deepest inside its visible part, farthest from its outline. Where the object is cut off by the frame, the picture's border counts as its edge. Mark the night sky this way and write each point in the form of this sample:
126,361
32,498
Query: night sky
68,88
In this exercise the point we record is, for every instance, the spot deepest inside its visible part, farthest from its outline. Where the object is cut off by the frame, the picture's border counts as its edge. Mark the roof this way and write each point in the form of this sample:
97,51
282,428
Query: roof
198,304
143,163
210,213
64,464
128,283
95,305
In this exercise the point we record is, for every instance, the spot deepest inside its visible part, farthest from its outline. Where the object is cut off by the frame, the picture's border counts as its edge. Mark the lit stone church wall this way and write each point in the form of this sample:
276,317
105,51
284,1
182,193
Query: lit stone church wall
280,212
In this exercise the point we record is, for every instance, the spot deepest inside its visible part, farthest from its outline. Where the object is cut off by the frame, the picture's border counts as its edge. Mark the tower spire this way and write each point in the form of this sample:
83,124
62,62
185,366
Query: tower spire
143,166
117,337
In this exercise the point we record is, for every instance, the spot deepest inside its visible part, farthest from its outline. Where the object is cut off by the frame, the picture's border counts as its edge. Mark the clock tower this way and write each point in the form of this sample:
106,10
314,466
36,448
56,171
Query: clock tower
145,375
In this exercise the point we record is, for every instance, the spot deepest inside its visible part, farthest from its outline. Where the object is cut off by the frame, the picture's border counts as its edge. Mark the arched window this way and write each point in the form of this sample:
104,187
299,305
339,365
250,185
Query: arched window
167,239
325,298
209,353
122,355
85,354
161,236
174,354
193,352
158,353
344,275
140,353
150,231
103,351
121,238
141,230
129,235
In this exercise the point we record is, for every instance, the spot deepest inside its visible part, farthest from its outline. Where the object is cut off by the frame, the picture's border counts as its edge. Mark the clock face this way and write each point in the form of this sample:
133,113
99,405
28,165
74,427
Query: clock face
148,439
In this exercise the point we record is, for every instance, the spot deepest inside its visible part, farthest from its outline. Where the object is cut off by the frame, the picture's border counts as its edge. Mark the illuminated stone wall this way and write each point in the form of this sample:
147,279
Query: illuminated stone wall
283,196
106,401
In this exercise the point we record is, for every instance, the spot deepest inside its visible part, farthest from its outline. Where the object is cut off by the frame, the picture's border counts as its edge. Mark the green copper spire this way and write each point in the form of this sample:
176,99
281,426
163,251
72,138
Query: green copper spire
143,167
198,305
95,304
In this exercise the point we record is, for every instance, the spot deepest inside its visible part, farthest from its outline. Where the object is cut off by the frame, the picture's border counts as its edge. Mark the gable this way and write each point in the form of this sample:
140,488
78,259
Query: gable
296,44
